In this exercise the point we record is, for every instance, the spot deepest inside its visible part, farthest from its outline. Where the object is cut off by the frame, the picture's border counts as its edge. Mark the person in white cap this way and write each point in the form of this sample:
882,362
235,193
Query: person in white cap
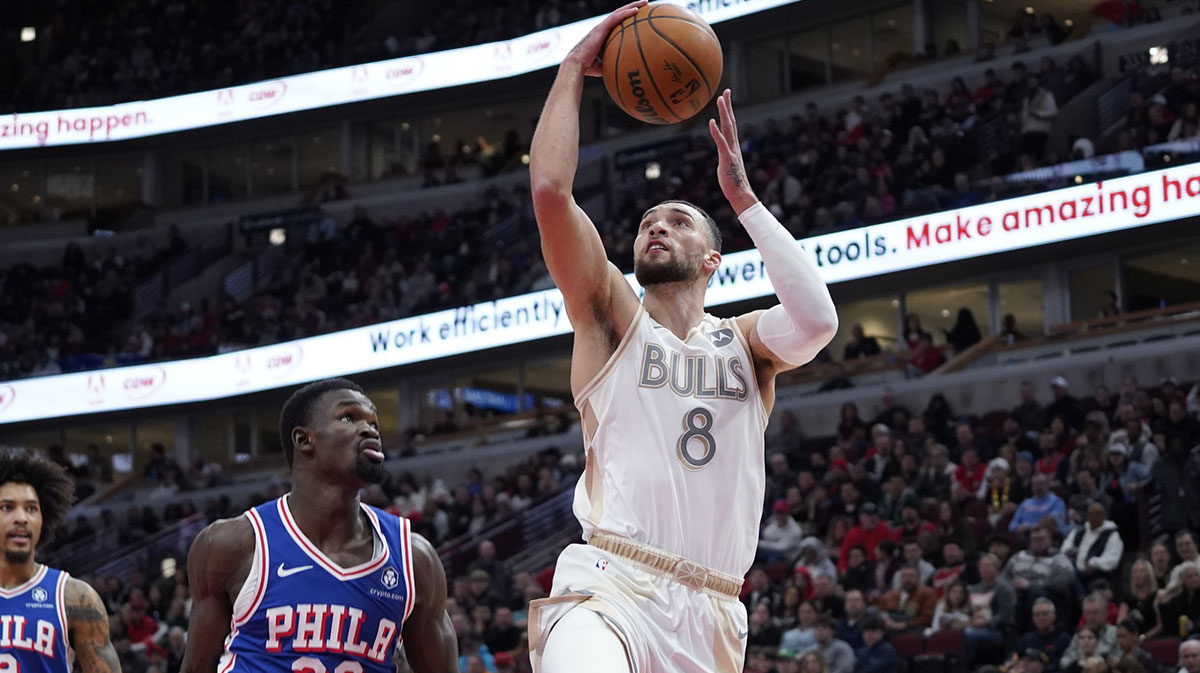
997,490
1136,435
1064,405
1131,475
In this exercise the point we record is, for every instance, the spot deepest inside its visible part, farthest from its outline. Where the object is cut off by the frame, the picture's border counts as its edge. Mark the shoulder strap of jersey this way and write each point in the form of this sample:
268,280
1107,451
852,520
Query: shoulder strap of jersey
60,605
397,534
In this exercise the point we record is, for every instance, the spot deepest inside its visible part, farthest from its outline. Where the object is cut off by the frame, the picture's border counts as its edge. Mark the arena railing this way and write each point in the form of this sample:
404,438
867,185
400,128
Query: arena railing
104,557
149,294
531,530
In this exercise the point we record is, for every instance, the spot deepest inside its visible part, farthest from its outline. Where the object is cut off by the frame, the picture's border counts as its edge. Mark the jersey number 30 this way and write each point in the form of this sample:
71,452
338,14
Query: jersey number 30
697,429
314,665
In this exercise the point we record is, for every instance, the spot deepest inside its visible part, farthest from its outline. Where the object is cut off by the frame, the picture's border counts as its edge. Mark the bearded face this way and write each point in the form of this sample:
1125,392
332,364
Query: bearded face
672,245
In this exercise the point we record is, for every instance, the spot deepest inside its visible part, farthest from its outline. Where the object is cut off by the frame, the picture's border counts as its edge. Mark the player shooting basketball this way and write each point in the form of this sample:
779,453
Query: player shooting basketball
673,404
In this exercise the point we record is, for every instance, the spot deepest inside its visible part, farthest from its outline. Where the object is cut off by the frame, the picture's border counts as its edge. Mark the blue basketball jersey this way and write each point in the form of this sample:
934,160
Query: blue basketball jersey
300,612
33,625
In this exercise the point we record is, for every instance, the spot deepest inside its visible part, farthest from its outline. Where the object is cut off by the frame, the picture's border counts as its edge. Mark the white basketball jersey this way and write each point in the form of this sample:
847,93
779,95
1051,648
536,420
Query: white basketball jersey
674,437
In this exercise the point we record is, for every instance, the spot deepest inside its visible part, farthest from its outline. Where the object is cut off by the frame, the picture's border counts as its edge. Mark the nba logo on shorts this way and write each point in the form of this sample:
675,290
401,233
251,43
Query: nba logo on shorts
390,578
39,595
602,564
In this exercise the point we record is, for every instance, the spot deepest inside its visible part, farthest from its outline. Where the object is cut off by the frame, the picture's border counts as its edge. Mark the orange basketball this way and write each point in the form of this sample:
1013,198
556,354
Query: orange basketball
662,65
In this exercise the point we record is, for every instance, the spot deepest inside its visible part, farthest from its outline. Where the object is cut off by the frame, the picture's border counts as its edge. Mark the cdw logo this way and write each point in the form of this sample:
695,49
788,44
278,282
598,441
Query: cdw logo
144,383
542,45
282,361
266,96
404,72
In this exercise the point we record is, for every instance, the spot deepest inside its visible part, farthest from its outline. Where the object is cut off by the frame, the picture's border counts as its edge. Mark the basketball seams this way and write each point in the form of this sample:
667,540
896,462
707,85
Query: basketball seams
650,72
618,31
688,57
617,72
707,29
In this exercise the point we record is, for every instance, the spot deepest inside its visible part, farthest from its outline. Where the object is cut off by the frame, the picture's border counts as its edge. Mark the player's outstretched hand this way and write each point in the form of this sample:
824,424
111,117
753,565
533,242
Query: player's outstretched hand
731,171
587,52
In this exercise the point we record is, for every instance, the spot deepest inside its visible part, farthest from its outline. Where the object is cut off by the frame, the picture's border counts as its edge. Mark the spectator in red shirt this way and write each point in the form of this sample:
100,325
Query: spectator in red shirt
868,534
969,475
925,356
141,628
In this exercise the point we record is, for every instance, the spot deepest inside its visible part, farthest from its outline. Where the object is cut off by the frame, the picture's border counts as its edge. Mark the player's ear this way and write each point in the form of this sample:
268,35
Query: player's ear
712,262
302,438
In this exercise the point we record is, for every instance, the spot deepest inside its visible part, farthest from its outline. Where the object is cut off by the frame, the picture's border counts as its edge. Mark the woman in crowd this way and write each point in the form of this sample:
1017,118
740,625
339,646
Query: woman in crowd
800,638
851,428
839,525
1161,562
813,662
953,611
1138,600
860,573
1089,643
965,332
951,526
792,597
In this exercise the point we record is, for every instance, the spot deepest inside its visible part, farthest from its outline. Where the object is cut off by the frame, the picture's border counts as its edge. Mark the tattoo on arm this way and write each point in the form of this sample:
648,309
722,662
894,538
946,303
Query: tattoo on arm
739,179
87,629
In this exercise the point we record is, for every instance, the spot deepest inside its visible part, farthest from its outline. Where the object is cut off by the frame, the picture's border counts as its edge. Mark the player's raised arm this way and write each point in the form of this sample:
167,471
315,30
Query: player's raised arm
87,629
571,245
792,333
430,643
218,554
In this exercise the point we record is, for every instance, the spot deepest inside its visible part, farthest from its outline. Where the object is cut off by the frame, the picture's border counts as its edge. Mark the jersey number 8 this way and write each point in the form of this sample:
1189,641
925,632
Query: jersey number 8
697,425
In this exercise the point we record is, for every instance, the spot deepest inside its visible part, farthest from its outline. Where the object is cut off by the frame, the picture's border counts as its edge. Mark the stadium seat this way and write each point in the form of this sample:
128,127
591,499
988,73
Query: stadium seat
908,644
1165,650
942,651
947,642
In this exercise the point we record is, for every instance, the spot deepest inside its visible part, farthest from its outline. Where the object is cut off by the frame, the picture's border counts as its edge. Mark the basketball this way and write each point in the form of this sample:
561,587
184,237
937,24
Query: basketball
662,65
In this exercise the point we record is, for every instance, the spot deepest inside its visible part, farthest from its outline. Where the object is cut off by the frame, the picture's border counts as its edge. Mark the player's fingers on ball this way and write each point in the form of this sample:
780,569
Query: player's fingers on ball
624,13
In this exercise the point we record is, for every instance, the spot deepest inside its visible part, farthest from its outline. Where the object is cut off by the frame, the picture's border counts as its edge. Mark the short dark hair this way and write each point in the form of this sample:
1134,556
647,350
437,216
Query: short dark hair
54,487
297,410
825,621
714,232
873,623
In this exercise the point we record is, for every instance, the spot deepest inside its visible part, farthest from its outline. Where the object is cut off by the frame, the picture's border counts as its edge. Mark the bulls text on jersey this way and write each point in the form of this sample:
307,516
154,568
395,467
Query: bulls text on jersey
687,375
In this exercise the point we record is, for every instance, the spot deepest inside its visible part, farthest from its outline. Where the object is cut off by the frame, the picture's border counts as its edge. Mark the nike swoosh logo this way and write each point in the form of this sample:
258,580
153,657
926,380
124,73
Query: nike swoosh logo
743,634
284,572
